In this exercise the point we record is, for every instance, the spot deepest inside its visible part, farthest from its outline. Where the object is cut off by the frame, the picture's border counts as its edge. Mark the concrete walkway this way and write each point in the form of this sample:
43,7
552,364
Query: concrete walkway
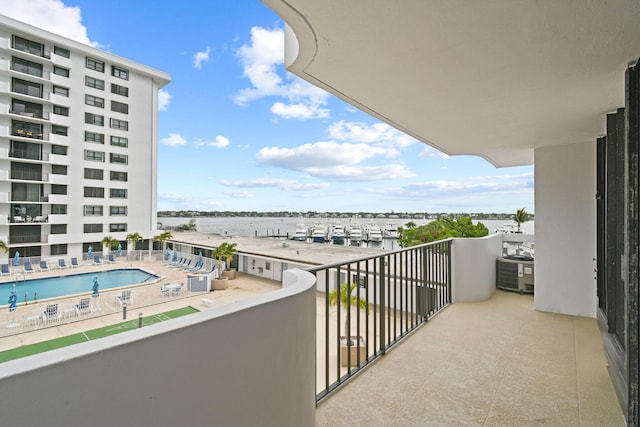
494,363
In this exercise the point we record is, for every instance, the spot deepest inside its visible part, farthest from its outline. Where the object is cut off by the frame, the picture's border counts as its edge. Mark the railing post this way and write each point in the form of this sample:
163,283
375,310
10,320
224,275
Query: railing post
383,302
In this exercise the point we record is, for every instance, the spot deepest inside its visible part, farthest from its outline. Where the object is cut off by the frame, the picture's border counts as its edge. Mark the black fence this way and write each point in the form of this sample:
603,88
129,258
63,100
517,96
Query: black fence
372,303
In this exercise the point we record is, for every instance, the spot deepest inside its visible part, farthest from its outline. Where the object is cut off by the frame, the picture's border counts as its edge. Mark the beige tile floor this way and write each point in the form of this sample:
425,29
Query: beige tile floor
494,363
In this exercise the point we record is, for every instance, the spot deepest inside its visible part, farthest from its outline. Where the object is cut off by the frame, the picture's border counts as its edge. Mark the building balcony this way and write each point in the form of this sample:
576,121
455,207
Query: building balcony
43,115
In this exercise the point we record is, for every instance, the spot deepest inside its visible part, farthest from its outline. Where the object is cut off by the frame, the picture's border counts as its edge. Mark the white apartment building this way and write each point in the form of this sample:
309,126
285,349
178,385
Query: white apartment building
78,144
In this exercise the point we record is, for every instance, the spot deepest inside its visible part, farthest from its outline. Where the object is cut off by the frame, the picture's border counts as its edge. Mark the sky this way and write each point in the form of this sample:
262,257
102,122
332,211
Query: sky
238,132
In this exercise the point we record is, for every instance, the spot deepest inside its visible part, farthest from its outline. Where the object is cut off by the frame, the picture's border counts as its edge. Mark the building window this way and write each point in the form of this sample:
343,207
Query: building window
118,158
94,83
267,266
92,210
94,119
119,72
94,64
118,211
62,91
97,156
58,209
60,249
119,124
61,111
93,173
58,169
28,46
119,107
117,227
26,88
27,67
58,189
60,150
119,141
118,193
118,176
59,130
93,228
94,101
119,90
96,192
64,72
94,137
61,51
58,229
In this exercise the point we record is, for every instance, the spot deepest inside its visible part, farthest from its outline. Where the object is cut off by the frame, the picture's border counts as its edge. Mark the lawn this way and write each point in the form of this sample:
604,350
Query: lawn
41,347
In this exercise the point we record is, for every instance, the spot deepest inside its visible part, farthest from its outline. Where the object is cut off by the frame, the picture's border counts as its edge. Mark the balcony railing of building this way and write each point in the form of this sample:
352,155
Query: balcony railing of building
372,303
30,154
32,71
26,175
35,114
30,134
35,92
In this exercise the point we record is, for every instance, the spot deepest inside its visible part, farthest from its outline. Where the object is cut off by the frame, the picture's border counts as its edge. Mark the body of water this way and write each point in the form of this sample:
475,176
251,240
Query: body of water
59,286
269,226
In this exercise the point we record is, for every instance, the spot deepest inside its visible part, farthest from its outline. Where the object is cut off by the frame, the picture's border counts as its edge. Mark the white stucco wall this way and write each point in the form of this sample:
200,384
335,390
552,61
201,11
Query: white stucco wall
245,364
565,229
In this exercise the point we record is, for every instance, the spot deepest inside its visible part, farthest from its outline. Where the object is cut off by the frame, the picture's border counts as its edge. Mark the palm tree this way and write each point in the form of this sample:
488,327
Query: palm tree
163,237
224,251
4,247
346,299
521,216
135,238
109,242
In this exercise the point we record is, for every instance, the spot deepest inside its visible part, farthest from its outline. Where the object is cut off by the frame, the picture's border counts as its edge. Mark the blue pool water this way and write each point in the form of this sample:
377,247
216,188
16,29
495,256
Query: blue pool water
60,286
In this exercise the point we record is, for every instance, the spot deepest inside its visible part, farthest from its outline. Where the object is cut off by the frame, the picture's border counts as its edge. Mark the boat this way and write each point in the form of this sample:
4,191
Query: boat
355,234
319,233
301,233
373,233
508,228
337,236
391,231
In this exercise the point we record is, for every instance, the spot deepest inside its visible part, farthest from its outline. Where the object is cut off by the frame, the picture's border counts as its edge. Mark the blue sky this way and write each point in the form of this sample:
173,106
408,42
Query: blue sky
238,132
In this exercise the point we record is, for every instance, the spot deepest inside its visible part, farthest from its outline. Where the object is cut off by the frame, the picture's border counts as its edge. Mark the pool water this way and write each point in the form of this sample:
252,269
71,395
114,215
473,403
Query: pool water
60,286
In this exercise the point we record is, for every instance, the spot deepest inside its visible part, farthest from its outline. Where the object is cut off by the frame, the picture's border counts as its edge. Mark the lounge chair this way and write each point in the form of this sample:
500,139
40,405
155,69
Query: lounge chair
125,298
28,268
176,263
4,270
51,313
185,266
62,264
83,307
38,218
111,259
97,260
74,263
44,266
197,267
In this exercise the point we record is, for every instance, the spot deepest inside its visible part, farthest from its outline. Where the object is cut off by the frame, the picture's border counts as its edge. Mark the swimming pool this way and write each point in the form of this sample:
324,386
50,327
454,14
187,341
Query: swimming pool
60,286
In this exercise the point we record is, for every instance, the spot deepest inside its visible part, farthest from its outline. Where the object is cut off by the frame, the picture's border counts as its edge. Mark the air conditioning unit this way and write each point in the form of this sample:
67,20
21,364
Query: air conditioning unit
515,273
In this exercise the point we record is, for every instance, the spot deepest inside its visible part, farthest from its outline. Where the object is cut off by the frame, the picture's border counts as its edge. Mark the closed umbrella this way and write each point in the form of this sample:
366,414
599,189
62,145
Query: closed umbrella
200,258
167,255
16,259
89,252
95,288
13,299
119,250
175,256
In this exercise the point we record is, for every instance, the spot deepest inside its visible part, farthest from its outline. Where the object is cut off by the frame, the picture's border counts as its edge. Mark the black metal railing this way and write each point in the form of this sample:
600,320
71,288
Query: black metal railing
372,303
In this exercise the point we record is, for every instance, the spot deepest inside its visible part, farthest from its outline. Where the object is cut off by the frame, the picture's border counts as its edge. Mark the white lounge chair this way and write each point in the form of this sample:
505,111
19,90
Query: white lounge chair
97,260
74,263
28,268
44,266
51,313
4,270
83,307
125,298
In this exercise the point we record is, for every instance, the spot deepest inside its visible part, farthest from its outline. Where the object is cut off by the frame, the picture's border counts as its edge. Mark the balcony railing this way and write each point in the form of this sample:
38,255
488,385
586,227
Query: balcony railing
32,71
35,114
389,296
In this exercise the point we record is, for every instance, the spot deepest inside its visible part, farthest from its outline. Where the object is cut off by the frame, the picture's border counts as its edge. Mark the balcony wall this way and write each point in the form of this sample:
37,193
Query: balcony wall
248,363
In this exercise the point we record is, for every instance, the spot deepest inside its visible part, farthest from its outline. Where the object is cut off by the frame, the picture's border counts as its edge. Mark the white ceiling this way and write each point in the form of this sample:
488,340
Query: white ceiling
494,78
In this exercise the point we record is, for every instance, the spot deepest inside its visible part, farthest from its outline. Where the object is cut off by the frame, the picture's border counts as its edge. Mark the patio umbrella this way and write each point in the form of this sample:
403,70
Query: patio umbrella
119,250
175,256
13,299
167,255
95,288
89,252
16,259
200,258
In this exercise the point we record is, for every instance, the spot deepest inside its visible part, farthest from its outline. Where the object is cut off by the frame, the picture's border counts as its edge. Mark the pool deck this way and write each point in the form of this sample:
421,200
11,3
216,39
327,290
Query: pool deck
147,301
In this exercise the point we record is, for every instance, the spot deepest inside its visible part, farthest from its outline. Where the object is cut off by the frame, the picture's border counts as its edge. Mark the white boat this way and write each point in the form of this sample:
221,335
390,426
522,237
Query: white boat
301,233
391,231
319,233
508,228
373,233
355,234
337,236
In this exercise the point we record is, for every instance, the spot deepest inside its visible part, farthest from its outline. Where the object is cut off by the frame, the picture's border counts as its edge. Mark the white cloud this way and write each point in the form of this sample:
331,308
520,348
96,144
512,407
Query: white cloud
163,100
361,173
219,142
170,201
262,61
173,140
240,194
369,134
317,155
430,152
299,111
201,57
284,184
50,15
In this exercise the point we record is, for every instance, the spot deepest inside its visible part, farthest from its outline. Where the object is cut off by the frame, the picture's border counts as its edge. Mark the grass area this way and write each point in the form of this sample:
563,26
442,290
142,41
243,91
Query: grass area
41,347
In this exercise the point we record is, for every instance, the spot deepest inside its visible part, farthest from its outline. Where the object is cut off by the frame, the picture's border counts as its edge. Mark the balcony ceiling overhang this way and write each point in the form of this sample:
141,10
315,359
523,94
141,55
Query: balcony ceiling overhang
494,78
